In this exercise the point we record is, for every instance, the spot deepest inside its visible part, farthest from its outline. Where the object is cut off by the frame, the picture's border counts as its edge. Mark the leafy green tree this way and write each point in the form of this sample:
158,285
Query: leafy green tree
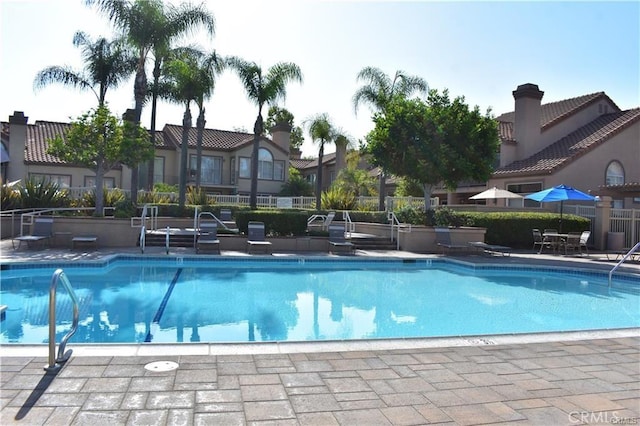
322,131
433,142
357,181
297,185
99,141
278,115
107,63
151,26
262,88
409,188
378,91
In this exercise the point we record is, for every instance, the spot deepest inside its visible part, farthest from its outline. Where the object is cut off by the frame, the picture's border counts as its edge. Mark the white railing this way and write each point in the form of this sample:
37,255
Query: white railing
626,221
398,227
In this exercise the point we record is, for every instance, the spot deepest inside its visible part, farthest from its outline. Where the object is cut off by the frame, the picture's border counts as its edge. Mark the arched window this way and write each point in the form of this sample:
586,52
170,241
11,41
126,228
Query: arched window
265,164
615,174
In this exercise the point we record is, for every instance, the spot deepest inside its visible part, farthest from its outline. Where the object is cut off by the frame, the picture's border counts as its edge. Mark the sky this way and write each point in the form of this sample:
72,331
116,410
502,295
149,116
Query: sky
479,50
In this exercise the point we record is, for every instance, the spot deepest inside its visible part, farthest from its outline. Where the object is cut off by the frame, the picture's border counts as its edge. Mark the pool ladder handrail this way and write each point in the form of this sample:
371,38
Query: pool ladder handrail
401,227
54,363
625,257
143,238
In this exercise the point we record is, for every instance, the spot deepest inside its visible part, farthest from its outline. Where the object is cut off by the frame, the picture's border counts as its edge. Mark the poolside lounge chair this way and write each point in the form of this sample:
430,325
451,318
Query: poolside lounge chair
41,233
326,219
336,238
225,215
208,237
443,240
491,248
255,237
584,238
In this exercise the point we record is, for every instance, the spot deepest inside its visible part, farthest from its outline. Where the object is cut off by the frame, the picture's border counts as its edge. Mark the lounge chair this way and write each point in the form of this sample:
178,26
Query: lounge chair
41,233
256,237
491,248
326,219
538,240
443,240
225,215
208,237
336,238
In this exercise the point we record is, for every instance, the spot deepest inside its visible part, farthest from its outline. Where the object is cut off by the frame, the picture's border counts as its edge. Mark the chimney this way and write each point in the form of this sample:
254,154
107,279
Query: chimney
526,126
341,157
17,146
281,135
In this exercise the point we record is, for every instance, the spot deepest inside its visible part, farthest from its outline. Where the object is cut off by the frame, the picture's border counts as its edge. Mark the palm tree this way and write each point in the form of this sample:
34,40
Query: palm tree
207,68
107,63
151,25
378,91
188,78
321,131
262,89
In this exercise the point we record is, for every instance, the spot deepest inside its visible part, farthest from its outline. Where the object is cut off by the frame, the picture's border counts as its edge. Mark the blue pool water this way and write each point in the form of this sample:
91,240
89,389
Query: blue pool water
191,300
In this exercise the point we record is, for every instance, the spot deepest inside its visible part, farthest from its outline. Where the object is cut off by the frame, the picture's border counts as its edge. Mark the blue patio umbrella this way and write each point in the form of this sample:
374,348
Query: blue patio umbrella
560,193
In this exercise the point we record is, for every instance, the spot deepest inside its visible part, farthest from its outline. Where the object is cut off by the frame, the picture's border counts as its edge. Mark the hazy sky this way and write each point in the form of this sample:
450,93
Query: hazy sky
480,50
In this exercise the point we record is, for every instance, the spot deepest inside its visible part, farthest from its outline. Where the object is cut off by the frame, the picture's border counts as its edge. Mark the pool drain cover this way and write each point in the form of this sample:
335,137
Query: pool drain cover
161,366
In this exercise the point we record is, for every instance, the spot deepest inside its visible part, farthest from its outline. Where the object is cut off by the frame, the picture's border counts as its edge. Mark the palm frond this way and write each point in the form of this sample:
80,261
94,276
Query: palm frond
62,75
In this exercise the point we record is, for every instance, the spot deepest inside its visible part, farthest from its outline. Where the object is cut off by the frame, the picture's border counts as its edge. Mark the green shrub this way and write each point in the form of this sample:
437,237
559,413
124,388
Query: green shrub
124,209
40,194
197,197
9,198
276,222
338,199
411,214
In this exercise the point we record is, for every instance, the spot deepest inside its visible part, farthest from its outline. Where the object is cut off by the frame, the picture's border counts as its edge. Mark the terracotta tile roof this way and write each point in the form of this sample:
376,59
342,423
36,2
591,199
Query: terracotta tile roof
220,140
38,136
553,112
299,163
326,159
573,145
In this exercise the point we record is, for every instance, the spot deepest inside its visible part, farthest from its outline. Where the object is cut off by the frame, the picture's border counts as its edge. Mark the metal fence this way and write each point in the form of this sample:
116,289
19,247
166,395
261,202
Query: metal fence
627,221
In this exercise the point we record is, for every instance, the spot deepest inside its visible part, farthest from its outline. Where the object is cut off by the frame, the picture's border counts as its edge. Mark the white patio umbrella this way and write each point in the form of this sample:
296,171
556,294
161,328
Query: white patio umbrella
494,193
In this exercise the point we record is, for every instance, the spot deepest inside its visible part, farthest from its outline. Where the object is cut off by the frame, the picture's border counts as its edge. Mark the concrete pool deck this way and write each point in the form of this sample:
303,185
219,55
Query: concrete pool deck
540,379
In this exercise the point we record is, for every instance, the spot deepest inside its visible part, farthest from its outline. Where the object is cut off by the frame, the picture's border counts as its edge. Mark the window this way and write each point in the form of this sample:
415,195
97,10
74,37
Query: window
268,168
107,182
232,172
278,170
265,164
524,189
615,174
210,169
245,167
311,178
64,181
158,170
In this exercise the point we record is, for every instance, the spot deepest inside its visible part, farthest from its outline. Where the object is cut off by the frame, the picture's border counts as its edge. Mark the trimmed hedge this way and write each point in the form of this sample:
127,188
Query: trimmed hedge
281,223
513,229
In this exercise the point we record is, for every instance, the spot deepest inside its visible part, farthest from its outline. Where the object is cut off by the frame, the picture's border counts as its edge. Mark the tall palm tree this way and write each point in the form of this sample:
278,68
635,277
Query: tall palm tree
151,25
262,88
107,64
378,91
321,131
183,83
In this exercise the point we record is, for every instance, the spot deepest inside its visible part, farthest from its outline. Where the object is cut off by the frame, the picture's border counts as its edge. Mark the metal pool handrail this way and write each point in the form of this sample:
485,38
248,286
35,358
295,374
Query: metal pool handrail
59,276
625,257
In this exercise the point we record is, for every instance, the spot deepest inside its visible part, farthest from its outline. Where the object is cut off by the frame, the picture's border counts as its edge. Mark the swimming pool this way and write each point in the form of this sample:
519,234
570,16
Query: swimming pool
131,299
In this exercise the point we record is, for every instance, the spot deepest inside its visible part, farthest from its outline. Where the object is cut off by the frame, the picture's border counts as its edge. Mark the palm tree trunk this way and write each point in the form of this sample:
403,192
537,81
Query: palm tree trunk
99,191
154,107
139,93
257,132
319,178
200,122
381,191
186,126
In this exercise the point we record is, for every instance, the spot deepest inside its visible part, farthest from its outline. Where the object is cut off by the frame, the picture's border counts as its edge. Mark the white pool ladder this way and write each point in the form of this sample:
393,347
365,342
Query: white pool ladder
625,257
54,363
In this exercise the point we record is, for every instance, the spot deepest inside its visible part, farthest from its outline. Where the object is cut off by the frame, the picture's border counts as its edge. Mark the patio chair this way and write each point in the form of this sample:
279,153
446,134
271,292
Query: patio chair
256,237
539,241
443,240
337,239
208,237
572,242
41,233
584,238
